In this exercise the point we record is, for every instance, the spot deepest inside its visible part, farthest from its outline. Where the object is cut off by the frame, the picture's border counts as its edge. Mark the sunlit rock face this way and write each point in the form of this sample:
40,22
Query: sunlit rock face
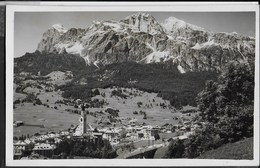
140,38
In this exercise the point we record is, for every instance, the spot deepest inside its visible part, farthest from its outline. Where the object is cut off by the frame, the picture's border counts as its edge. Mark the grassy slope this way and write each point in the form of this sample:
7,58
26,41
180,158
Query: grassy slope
239,150
160,152
156,115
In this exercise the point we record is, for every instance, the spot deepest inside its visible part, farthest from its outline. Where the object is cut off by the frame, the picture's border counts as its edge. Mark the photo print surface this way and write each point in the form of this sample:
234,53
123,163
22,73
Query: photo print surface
122,85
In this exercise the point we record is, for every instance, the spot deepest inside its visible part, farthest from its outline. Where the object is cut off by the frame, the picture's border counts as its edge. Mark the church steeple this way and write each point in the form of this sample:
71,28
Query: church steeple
83,122
83,125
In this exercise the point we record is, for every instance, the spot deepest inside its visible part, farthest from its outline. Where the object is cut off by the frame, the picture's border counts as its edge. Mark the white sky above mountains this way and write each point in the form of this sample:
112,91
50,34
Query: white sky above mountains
29,26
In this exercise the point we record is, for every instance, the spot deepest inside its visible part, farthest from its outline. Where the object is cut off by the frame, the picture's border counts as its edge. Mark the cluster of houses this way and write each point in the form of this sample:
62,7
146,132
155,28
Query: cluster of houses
39,144
45,145
181,128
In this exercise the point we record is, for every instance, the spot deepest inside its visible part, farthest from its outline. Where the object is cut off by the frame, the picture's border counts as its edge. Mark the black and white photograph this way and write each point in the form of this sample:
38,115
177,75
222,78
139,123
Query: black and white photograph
126,85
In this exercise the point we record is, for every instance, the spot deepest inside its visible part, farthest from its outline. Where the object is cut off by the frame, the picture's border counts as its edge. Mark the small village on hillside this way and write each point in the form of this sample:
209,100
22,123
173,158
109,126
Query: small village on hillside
128,125
147,137
129,119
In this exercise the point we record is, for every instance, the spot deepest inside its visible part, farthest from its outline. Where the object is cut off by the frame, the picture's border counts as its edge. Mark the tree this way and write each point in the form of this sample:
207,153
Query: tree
17,101
238,83
236,124
206,101
29,98
129,146
156,136
95,130
175,149
107,151
123,134
145,116
135,112
235,88
139,104
96,92
78,148
103,94
22,137
227,108
64,147
38,101
203,140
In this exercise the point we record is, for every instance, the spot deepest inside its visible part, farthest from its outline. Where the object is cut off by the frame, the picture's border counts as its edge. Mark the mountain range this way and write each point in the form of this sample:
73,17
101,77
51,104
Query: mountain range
141,38
172,58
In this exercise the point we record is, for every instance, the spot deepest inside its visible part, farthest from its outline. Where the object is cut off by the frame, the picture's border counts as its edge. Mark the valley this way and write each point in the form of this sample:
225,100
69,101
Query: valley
53,114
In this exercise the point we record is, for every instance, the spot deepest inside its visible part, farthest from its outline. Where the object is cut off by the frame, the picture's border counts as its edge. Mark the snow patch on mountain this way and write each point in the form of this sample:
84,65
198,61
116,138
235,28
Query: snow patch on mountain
209,43
86,58
157,56
75,49
206,44
170,37
181,70
172,24
60,28
114,25
96,63
196,47
71,48
149,46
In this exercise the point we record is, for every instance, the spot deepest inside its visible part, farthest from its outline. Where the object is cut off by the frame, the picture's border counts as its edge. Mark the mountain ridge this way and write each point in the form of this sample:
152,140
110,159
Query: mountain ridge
141,38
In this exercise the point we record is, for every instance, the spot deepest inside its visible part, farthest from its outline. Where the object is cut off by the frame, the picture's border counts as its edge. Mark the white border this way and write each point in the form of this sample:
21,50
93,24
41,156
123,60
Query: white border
123,6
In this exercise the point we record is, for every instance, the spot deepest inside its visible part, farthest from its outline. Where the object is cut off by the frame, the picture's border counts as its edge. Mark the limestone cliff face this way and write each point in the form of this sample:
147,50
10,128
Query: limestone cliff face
140,38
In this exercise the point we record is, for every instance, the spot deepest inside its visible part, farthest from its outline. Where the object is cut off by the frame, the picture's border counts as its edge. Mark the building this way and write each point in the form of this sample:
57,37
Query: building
143,132
19,147
17,123
149,132
152,132
64,133
44,149
83,128
110,135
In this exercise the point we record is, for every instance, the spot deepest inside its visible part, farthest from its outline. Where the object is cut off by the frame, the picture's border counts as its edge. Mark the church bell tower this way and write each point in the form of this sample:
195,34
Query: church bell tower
83,122
82,126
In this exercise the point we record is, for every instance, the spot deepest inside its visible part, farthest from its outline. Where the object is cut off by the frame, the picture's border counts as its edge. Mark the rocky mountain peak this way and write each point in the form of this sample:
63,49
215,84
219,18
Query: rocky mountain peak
140,38
59,27
143,22
173,24
139,15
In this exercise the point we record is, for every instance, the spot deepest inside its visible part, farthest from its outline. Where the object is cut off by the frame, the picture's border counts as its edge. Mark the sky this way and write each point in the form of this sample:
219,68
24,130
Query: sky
30,26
